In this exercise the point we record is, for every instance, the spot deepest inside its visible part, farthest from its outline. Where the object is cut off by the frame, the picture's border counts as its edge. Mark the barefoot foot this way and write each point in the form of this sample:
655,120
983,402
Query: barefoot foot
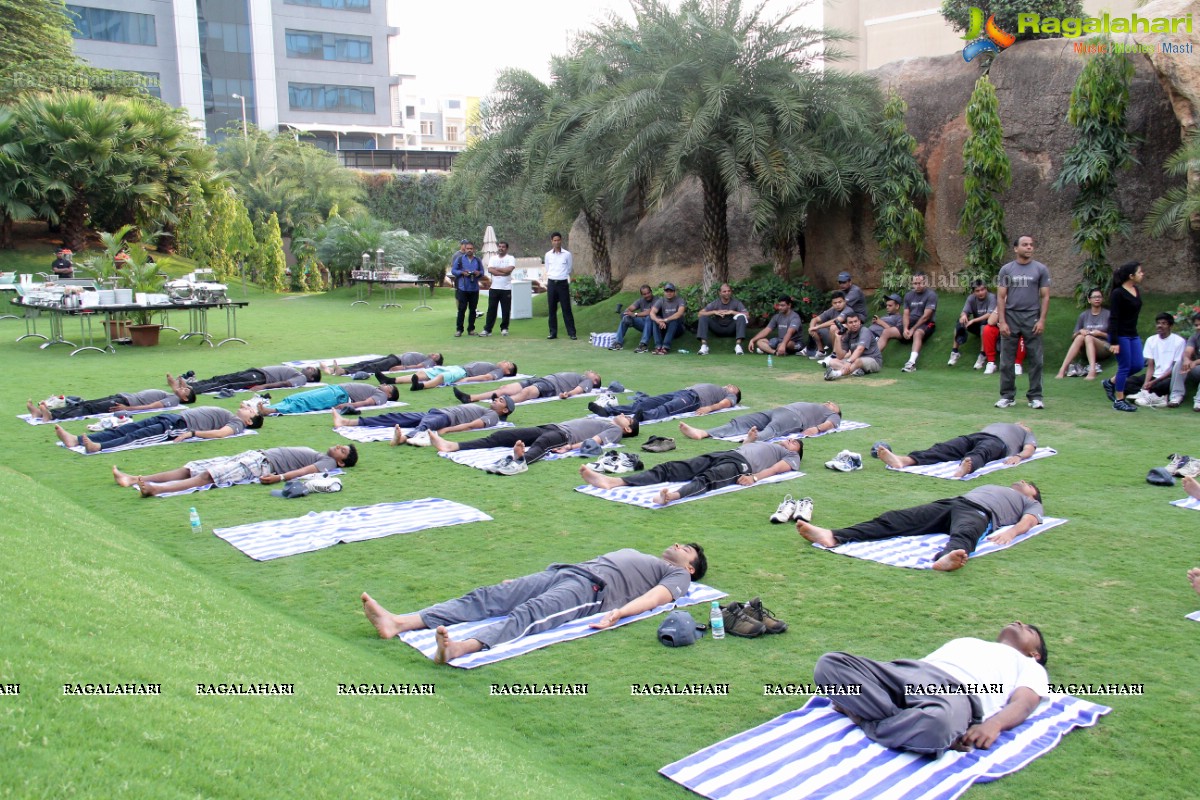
68,439
440,444
122,479
964,468
690,432
889,458
398,437
89,445
666,497
955,559
600,481
343,422
1194,577
815,534
752,435
147,489
519,450
385,622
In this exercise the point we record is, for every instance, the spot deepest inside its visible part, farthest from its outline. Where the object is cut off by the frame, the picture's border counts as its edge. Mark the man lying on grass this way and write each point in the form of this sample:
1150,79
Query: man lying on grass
623,583
265,466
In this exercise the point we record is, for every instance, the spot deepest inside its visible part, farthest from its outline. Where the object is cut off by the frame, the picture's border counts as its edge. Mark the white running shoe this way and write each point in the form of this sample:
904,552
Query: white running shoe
786,511
845,461
1036,403
420,439
979,362
510,466
990,368
1004,402
738,351
954,356
606,400
1156,401
1017,370
703,351
910,366
1142,398
804,509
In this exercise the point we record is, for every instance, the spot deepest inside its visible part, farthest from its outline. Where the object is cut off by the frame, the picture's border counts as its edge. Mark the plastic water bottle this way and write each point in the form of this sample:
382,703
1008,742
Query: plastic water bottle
770,365
194,519
716,621
685,352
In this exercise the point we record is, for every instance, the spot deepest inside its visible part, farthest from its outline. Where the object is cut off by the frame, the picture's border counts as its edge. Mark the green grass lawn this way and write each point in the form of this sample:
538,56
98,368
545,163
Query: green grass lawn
100,585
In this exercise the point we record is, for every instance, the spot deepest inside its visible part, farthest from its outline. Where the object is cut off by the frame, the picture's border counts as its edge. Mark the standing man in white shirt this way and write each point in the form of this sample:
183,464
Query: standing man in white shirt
500,267
558,286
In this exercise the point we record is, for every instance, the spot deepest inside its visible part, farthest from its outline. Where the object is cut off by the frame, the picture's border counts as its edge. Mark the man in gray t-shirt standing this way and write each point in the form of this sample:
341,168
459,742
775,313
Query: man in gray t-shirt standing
1012,441
745,466
966,518
1022,302
622,584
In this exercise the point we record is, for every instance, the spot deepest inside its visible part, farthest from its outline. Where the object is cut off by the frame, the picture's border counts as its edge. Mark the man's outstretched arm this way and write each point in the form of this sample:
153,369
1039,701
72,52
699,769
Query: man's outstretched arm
651,599
1018,708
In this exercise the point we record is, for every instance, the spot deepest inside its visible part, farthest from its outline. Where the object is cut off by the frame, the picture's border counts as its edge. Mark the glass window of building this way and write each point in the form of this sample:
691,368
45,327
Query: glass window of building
451,133
328,46
341,5
427,127
331,97
107,25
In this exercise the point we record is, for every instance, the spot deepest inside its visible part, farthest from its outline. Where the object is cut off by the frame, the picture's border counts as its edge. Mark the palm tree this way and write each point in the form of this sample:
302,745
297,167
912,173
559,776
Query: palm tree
1178,211
19,193
702,89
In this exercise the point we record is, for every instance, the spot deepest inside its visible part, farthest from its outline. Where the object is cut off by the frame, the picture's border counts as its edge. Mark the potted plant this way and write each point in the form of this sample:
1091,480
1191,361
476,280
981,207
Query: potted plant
140,276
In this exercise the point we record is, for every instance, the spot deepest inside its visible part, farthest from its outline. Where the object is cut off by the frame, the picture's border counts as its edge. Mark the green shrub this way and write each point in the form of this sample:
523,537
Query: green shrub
587,291
759,294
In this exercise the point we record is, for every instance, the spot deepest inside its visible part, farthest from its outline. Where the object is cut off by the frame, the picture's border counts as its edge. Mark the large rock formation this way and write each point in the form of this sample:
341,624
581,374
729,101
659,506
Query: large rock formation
1033,82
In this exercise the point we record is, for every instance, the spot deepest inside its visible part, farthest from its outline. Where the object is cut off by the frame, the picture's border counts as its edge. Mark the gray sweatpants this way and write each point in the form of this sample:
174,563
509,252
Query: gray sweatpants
534,603
921,723
1020,323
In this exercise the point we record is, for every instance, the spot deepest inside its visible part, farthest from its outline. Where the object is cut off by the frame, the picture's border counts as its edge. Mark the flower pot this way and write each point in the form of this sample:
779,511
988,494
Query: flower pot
144,335
118,328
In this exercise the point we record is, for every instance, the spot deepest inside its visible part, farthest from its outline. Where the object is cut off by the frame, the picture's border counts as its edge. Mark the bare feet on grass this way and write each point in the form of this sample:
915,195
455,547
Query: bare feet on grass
1194,577
1091,375
816,534
519,450
448,649
147,489
1192,487
440,444
599,480
955,559
68,439
39,411
666,496
343,422
692,433
88,444
398,437
122,479
389,625
888,457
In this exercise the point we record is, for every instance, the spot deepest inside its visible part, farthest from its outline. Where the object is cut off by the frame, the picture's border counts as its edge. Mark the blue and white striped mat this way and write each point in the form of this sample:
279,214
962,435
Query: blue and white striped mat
647,496
487,456
815,752
917,552
263,541
424,640
847,425
591,394
317,362
357,433
946,468
1194,616
1187,502
334,471
39,421
152,441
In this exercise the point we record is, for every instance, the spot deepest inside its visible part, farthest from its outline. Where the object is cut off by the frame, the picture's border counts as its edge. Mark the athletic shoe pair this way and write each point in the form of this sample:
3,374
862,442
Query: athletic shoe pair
750,620
791,510
845,461
508,466
614,463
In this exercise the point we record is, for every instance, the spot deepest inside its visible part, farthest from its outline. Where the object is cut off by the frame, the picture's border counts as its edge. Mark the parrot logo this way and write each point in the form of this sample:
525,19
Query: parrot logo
983,38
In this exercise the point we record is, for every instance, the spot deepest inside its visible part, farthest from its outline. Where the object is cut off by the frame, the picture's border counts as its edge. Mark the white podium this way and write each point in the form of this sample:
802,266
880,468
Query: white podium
522,300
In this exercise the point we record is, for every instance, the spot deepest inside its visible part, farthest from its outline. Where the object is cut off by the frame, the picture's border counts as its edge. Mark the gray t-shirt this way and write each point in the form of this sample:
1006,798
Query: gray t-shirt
856,301
891,320
1023,282
364,391
148,396
1092,321
1014,436
802,416
974,307
211,418
868,340
630,574
830,313
1194,343
416,360
782,323
477,368
461,415
763,455
289,459
667,306
1005,504
642,304
566,381
918,303
579,430
282,374
734,305
710,394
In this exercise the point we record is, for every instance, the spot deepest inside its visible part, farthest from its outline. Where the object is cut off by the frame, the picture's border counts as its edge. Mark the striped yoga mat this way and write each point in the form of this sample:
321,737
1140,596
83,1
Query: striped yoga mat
1187,502
152,441
487,456
946,468
424,640
847,425
358,434
317,362
917,552
39,421
647,496
815,752
686,416
335,471
264,541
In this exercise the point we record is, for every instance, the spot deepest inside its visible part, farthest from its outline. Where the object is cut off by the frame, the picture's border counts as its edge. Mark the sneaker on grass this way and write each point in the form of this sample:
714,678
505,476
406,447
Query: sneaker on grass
909,366
785,512
1005,402
703,351
980,362
990,369
738,351
804,509
954,356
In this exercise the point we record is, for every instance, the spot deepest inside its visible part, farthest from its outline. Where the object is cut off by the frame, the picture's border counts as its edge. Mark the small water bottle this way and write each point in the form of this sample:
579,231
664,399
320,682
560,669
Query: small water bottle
770,364
685,352
716,621
194,519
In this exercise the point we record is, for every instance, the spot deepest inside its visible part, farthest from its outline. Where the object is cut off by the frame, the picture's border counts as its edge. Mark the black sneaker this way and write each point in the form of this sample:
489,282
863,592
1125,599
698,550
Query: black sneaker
1109,389
1122,405
738,622
755,609
384,380
462,396
416,383
598,410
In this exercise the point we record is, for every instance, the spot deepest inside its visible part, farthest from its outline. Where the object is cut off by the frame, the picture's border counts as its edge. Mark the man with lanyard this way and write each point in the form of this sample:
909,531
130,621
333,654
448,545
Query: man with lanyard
466,271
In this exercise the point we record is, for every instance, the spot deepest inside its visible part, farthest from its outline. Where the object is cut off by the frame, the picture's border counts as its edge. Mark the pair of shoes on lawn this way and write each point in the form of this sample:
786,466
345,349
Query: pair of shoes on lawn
750,620
509,465
845,461
614,463
791,510
659,444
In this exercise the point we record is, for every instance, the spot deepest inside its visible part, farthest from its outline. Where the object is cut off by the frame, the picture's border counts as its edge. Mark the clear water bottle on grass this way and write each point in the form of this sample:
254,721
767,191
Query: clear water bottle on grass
716,621
770,361
194,519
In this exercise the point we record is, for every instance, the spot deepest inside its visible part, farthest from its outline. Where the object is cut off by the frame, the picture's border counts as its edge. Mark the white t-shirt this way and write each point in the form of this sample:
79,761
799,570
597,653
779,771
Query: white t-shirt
1165,352
502,281
984,664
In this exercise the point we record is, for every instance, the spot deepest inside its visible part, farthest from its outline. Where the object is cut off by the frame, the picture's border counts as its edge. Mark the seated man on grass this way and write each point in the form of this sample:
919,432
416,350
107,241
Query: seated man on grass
206,422
1014,442
745,466
825,327
1163,354
856,352
144,400
559,384
390,363
726,316
806,418
637,316
346,396
256,379
699,398
917,321
265,466
623,583
887,327
966,518
892,710
443,420
531,444
977,317
471,372
782,333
